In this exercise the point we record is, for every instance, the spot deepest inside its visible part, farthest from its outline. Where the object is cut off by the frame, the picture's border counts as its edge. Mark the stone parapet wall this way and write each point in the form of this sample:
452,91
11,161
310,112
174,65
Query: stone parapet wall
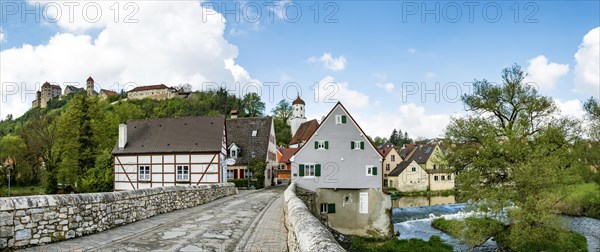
33,220
305,231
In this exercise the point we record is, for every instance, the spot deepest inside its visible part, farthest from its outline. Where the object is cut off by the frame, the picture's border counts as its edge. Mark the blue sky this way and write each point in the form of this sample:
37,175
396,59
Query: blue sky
370,50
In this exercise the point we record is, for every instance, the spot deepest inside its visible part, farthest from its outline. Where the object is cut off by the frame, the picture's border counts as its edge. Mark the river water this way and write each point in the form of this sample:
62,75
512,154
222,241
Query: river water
412,218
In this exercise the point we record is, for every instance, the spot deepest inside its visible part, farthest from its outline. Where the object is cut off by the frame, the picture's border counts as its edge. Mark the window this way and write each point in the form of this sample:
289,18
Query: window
391,182
144,173
387,167
340,119
435,178
254,133
230,174
434,166
247,174
183,173
327,208
364,203
309,170
413,169
371,170
393,158
449,177
321,145
233,153
357,145
443,177
385,183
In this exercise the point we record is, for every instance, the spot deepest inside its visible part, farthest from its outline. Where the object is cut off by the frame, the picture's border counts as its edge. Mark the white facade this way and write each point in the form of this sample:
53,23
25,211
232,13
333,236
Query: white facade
298,117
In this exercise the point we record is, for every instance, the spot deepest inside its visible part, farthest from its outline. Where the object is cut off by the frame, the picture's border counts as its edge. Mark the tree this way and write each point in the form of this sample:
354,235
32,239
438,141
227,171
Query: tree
41,138
394,138
510,150
281,114
252,105
283,110
378,141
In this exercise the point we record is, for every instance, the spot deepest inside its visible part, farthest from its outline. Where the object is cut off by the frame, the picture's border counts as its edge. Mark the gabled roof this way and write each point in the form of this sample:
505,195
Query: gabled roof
385,148
406,151
108,92
351,120
422,153
151,87
400,168
240,131
305,131
174,135
73,88
287,153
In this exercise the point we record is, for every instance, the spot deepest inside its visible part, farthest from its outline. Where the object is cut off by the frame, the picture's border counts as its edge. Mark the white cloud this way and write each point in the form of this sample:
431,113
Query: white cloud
329,62
387,86
171,44
544,74
409,117
587,68
570,108
2,39
279,8
329,91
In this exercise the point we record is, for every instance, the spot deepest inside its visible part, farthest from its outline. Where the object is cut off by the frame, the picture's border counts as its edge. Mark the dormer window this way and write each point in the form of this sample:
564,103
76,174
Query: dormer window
254,132
234,151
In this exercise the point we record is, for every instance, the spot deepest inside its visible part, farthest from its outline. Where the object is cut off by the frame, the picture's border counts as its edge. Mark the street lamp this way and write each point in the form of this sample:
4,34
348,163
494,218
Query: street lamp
9,166
248,170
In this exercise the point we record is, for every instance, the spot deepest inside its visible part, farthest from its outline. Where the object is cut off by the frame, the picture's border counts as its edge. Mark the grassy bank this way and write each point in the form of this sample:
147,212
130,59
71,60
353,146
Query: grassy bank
583,200
362,244
475,231
21,191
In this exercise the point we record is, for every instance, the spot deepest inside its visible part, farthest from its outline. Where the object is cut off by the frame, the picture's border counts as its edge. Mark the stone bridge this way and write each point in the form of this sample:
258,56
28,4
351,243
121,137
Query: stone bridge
200,218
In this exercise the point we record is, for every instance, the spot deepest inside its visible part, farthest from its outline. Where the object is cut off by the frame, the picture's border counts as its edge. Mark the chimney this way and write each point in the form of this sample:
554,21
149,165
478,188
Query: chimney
122,135
234,114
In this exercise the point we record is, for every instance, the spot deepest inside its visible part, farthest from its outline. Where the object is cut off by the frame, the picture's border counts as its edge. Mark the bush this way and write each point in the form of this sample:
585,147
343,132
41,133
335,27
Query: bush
395,245
244,183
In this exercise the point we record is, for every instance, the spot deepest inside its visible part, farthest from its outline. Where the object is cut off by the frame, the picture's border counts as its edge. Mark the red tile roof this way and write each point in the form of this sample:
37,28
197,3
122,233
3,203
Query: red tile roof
286,154
151,87
108,92
305,131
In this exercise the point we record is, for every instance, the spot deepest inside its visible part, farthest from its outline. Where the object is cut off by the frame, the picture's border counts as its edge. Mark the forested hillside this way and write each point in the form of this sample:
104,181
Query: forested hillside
70,142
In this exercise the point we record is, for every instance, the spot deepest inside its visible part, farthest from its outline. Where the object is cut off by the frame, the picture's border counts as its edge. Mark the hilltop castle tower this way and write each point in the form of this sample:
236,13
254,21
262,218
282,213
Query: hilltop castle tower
89,87
298,114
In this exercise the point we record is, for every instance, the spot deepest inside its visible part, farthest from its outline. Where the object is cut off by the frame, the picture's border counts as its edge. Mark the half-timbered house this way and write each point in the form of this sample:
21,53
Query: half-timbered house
170,151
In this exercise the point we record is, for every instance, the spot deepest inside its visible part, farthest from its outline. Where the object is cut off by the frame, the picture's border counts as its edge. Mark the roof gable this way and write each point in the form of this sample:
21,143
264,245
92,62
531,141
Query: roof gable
402,167
351,120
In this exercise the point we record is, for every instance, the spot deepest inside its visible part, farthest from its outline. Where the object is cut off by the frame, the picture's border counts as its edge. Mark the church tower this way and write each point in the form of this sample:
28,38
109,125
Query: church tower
298,114
89,87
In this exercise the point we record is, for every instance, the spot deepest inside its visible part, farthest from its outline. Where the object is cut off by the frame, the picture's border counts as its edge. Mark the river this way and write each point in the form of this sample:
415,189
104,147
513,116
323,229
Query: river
412,217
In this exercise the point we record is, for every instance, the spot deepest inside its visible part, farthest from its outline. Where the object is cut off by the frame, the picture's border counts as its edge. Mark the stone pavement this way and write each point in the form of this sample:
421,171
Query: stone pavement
245,220
270,234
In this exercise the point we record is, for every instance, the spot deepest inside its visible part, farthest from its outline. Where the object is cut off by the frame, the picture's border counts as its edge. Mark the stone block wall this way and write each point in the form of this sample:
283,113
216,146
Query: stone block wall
32,220
305,231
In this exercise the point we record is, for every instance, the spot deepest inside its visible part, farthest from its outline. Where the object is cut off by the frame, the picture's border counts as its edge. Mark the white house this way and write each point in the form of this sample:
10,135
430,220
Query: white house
341,165
170,151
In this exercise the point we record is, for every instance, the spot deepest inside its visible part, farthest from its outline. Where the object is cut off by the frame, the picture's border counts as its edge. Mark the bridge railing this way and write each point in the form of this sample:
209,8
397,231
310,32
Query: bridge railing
32,220
305,232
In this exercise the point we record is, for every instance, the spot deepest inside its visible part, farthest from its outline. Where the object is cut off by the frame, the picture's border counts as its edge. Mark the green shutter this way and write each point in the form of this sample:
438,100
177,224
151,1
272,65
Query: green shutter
316,145
326,145
352,145
330,208
374,170
362,145
301,170
318,170
343,119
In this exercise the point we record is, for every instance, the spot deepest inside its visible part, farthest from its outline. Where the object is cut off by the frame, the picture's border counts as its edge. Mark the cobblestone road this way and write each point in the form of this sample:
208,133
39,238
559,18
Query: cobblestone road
248,221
